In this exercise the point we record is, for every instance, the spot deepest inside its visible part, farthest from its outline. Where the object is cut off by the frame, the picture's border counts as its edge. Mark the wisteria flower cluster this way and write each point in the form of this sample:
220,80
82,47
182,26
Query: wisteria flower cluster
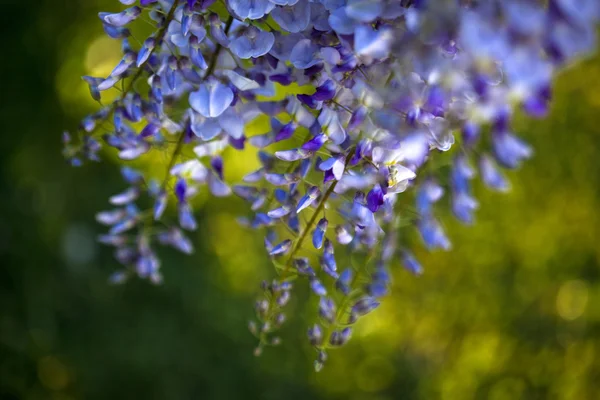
394,86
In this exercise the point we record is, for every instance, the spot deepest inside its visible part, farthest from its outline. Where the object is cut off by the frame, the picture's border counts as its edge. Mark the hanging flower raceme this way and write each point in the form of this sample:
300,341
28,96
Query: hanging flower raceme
393,90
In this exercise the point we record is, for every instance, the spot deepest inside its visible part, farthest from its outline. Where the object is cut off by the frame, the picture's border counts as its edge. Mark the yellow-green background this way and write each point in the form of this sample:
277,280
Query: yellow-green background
512,312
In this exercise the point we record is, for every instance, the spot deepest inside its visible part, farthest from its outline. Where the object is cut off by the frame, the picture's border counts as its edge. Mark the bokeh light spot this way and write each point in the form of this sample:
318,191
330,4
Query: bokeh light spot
374,374
102,56
52,373
236,251
507,389
572,299
79,246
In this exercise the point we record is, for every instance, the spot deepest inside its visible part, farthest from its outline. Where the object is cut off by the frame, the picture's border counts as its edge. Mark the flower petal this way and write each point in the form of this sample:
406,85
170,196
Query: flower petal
211,99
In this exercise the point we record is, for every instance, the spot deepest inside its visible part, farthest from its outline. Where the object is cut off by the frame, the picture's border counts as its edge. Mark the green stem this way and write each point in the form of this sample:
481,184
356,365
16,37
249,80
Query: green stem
340,313
313,220
213,61
209,71
295,249
307,228
298,245
181,140
345,303
159,38
173,159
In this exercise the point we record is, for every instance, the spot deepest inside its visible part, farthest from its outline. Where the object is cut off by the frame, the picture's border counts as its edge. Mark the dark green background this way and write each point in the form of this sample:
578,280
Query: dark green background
512,312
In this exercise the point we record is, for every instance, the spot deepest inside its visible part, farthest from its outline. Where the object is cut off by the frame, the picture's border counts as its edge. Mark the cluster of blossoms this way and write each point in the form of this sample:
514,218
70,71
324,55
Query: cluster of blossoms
395,85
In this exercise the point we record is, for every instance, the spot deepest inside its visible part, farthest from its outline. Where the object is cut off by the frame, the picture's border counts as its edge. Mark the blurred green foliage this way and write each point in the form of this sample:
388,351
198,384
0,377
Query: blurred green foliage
512,312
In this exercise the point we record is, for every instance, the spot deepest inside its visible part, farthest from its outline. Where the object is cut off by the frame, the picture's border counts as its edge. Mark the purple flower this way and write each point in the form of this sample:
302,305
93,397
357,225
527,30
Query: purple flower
122,18
375,198
212,99
510,150
334,164
433,234
317,287
250,9
315,143
319,233
281,248
252,43
364,96
310,196
315,335
294,18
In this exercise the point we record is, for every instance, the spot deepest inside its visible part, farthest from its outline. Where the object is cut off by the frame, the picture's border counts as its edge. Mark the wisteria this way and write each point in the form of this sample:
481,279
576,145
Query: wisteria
394,89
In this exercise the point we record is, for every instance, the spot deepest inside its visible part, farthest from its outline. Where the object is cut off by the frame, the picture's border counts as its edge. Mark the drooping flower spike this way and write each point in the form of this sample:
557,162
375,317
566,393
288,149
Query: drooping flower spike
391,87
